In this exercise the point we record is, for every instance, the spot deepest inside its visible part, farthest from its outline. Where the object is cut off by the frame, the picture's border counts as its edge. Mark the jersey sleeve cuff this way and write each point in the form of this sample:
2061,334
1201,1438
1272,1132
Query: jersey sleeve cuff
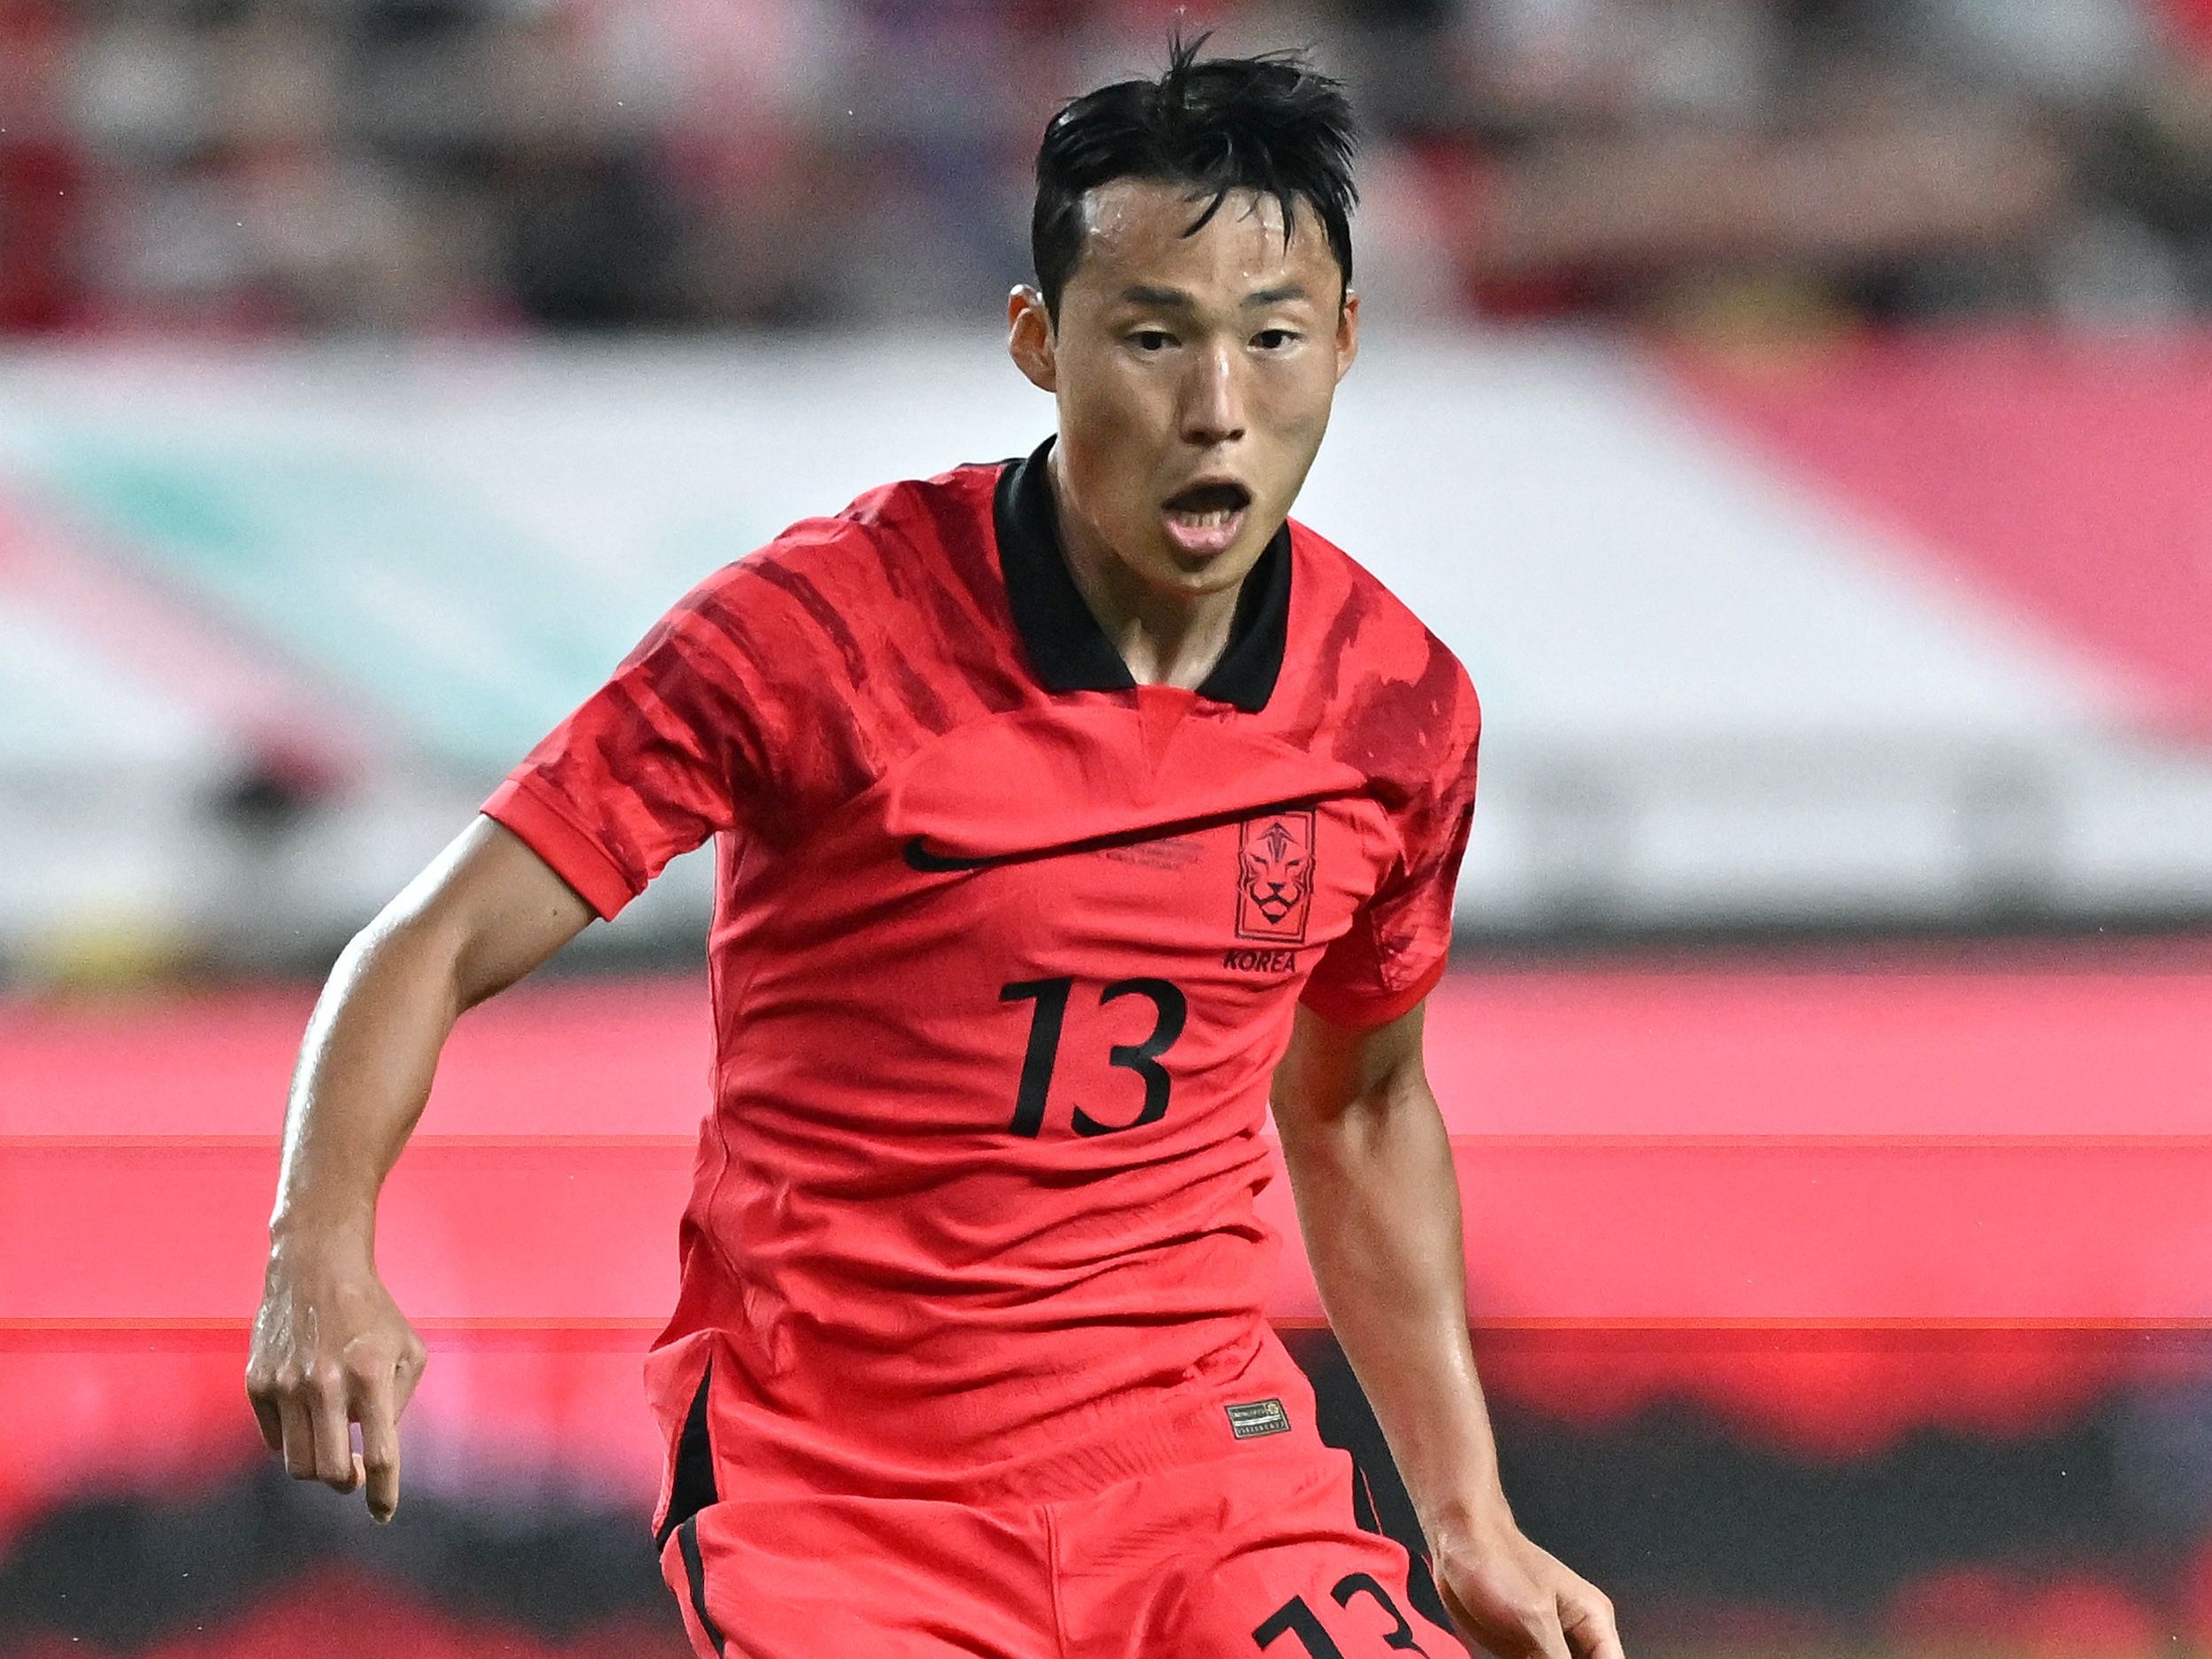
520,803
1359,1012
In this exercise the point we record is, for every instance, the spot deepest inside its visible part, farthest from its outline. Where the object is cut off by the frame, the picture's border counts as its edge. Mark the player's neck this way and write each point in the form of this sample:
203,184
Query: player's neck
1165,639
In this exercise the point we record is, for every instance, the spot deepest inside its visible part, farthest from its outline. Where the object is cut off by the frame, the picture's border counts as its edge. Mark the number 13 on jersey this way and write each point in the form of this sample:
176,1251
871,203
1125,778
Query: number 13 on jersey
1047,1018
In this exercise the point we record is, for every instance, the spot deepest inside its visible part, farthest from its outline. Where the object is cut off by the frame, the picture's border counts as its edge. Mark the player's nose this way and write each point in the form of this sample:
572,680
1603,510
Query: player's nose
1213,402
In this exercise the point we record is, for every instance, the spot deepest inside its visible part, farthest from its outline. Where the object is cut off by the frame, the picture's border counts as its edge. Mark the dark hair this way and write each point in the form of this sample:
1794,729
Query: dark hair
1272,124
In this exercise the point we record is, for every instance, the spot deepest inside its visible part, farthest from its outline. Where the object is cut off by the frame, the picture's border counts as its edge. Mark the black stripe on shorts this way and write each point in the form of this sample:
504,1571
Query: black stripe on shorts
695,1570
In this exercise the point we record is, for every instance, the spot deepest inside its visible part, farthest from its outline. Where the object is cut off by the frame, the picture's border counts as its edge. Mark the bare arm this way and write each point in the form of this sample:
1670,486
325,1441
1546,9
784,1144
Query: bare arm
1370,1162
329,1346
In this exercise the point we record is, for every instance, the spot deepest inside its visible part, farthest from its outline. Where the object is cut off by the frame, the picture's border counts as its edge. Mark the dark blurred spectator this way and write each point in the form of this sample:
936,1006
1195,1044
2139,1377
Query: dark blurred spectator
43,184
589,224
2155,162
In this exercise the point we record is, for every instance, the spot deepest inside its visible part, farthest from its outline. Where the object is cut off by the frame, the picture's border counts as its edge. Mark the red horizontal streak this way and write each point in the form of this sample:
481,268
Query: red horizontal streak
1728,1229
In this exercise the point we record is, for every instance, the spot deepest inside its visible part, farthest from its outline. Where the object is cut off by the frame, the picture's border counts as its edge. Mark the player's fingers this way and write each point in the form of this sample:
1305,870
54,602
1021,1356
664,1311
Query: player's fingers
333,1441
414,1360
374,1406
1516,1619
299,1435
1548,1637
265,1411
1587,1617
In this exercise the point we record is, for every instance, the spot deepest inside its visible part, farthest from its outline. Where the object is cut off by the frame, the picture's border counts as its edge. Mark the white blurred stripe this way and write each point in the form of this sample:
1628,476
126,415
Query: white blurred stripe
1615,572
66,707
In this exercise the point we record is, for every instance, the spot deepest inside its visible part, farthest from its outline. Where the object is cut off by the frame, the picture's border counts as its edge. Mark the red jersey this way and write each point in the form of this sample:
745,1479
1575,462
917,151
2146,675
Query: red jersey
1005,950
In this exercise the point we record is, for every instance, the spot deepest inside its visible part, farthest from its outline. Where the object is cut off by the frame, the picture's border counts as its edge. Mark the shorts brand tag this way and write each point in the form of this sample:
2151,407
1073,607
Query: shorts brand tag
1260,1416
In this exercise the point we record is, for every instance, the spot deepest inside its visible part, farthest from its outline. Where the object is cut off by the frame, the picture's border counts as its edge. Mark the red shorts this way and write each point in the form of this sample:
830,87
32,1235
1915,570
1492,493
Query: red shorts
1255,1551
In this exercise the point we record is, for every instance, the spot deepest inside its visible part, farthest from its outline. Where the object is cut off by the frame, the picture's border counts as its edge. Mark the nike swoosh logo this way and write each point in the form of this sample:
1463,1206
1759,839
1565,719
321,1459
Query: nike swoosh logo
918,857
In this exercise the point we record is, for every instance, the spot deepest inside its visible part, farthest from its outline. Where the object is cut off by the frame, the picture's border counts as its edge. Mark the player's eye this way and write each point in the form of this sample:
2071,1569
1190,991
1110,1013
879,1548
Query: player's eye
1274,339
1151,340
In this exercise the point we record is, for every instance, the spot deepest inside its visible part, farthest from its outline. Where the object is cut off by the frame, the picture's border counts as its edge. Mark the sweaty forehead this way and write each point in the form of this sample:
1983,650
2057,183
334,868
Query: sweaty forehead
1134,232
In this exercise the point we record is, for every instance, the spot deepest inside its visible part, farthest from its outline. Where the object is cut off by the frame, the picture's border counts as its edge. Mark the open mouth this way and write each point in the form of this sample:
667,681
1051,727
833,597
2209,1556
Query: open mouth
1206,518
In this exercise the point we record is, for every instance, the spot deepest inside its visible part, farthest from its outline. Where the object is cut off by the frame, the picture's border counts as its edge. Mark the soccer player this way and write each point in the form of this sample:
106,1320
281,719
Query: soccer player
1065,808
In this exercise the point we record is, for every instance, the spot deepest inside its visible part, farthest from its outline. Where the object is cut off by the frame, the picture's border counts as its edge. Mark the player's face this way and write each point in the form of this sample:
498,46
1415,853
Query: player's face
1193,374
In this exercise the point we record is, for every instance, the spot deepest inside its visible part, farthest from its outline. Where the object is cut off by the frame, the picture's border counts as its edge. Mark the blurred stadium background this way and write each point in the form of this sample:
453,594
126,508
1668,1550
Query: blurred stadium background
1797,413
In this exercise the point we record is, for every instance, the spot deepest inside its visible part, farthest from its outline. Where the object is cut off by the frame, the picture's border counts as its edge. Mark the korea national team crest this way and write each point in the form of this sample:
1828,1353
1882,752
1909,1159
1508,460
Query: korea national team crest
1274,888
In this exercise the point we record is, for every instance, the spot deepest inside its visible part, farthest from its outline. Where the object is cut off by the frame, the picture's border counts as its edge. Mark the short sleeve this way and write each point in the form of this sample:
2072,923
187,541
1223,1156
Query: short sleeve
1397,946
666,753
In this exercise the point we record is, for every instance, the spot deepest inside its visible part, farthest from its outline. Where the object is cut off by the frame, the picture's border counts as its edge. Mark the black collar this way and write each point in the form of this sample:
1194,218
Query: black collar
1068,648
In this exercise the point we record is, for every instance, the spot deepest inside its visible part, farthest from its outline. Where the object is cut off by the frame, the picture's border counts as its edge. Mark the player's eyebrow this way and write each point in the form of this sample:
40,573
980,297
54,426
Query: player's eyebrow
1160,298
1179,299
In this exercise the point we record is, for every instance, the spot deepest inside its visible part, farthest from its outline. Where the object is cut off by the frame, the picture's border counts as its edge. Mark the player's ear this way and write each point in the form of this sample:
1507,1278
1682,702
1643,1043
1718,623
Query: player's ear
1029,338
1347,333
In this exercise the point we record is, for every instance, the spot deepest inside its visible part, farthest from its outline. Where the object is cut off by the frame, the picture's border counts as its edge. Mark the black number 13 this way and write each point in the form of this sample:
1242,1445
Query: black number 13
1295,1618
1171,1010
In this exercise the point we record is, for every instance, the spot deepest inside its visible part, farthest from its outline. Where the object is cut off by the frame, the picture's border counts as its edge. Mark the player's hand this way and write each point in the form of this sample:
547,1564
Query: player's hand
331,1349
1520,1601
